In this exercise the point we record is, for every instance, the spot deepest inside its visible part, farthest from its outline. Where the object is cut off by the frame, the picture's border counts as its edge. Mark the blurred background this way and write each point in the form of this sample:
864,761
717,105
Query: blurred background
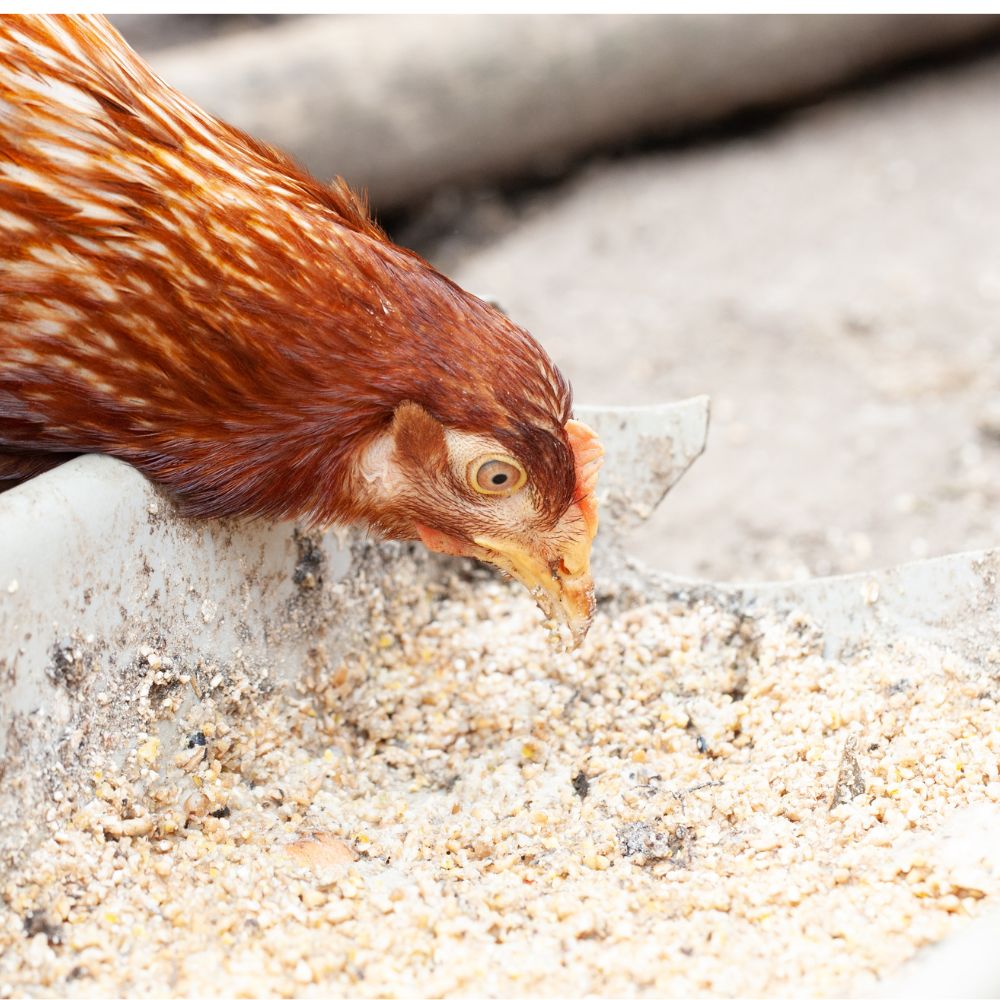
798,215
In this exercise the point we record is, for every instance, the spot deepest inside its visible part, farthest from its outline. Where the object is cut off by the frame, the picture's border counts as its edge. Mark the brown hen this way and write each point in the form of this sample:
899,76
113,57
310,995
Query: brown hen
184,298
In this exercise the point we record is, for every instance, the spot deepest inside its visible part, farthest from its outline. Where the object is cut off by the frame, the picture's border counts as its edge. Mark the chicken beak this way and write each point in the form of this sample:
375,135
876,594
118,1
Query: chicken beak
556,570
562,586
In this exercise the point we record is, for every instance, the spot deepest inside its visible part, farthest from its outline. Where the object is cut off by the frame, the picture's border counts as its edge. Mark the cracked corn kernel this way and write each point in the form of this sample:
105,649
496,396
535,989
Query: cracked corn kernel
441,766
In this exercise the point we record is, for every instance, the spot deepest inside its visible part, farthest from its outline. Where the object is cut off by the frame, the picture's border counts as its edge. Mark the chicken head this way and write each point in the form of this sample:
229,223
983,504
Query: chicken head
464,494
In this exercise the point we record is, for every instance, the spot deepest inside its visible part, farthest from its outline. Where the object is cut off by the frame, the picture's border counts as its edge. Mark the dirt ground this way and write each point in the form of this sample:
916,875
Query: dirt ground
832,281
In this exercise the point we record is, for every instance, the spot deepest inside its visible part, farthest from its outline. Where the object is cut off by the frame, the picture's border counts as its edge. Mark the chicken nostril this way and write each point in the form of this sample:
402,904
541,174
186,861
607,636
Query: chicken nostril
572,566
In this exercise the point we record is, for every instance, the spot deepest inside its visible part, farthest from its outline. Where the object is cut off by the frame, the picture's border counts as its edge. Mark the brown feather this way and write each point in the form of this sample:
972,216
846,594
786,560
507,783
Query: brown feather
419,440
184,297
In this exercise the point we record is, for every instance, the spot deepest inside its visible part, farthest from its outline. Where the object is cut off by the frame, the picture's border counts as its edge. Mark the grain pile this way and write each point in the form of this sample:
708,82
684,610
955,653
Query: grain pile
697,802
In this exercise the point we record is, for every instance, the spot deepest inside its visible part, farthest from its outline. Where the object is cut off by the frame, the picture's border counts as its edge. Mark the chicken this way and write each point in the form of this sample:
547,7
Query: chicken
187,299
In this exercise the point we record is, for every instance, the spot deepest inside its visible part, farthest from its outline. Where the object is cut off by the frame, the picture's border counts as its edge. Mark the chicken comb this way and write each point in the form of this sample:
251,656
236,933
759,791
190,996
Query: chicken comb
588,454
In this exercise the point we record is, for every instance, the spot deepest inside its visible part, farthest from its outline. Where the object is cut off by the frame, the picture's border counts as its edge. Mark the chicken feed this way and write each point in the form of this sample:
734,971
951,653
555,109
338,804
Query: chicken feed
696,802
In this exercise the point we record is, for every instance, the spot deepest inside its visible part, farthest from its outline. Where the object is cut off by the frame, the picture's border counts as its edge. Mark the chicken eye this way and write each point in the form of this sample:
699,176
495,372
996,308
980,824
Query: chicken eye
496,475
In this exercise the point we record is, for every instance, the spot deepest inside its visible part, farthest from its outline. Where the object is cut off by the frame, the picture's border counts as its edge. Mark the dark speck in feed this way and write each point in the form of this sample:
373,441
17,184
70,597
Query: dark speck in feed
37,922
